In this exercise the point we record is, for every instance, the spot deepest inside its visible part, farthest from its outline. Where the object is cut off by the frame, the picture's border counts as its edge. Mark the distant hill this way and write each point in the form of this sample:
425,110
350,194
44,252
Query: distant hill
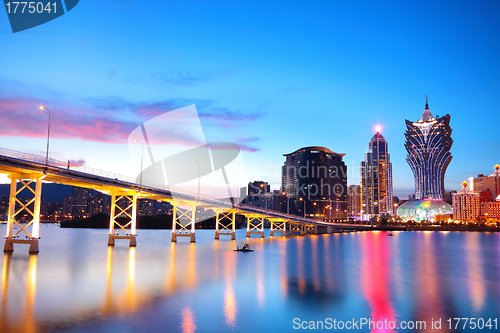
50,191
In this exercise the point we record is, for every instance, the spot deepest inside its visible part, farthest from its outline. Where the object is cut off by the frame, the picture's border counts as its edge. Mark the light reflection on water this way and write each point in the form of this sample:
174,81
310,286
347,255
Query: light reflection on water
78,284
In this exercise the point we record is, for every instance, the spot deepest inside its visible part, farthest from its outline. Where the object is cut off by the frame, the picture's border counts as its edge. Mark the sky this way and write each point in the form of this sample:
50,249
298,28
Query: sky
270,76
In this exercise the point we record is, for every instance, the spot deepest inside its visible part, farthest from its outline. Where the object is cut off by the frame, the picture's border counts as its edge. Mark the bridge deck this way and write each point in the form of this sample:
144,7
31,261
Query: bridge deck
13,165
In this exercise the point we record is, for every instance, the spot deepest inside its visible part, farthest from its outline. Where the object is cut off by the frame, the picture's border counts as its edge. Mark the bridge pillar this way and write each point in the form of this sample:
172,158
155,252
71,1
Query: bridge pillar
278,226
295,227
30,207
255,225
311,229
129,201
225,229
183,230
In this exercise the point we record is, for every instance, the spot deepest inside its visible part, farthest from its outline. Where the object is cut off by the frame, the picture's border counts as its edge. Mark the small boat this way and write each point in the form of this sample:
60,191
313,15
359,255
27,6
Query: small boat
390,234
245,248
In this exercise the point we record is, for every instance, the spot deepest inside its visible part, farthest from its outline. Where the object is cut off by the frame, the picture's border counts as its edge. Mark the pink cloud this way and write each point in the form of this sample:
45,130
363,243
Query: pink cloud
22,117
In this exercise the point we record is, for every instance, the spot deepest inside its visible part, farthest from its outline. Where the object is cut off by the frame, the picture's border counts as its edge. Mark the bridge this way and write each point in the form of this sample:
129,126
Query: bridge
26,170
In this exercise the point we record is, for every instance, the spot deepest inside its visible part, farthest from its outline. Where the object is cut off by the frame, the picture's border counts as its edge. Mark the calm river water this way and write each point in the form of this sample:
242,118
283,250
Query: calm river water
79,284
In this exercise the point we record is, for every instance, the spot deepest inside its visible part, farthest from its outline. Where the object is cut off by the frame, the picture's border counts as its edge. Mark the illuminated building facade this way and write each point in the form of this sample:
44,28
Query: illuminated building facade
315,181
428,143
423,210
491,209
354,200
376,178
491,183
466,204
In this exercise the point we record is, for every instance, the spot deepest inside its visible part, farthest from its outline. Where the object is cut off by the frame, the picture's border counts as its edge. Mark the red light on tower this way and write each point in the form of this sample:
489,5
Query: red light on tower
378,128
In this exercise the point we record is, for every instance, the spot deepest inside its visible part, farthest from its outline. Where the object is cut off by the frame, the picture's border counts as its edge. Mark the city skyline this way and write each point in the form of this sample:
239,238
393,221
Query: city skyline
322,80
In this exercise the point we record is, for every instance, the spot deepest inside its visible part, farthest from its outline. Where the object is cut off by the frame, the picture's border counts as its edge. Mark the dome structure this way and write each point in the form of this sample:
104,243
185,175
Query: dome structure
427,114
427,209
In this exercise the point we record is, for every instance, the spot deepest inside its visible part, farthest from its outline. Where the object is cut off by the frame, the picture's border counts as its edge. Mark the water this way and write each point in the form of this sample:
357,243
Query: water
79,284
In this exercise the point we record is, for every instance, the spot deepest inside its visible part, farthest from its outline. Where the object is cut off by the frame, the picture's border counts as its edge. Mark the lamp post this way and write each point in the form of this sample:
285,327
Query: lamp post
142,158
287,202
301,199
48,136
199,177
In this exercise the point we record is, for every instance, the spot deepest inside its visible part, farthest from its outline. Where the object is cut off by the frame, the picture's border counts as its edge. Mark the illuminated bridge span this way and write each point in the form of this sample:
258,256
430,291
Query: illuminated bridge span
26,169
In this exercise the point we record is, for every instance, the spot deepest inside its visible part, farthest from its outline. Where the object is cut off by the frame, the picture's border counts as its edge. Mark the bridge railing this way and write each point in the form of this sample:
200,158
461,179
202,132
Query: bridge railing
52,162
62,164
291,216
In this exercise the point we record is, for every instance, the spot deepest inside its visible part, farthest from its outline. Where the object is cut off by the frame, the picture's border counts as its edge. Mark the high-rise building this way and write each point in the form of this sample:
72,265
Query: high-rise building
79,201
147,207
466,204
376,178
315,180
354,200
428,143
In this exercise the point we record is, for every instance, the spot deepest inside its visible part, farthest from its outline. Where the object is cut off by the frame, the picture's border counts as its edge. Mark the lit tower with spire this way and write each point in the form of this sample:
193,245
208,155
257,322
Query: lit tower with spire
428,143
376,177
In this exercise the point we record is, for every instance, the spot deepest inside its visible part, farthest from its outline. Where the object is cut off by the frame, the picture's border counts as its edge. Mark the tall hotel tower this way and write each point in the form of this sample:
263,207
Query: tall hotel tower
315,179
376,178
428,142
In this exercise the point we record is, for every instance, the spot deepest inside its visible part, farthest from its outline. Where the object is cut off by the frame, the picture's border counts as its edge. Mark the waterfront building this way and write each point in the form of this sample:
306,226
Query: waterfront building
354,201
99,203
376,178
315,181
423,210
79,202
165,208
466,204
491,209
491,183
428,143
258,187
147,207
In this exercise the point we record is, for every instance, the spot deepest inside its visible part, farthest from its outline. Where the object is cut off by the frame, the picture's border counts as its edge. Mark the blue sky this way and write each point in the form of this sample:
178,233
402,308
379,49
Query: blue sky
271,76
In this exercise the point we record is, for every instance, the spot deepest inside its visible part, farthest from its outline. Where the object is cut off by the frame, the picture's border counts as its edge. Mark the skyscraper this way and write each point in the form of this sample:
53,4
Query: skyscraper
354,201
315,180
428,143
376,178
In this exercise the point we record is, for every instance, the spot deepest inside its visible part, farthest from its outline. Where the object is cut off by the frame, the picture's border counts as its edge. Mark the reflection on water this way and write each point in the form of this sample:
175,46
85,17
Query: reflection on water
475,271
429,281
230,306
161,286
18,283
188,322
376,279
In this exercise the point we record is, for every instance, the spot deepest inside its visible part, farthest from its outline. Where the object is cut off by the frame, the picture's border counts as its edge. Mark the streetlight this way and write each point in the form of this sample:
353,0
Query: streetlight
287,202
304,206
142,157
199,177
48,136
